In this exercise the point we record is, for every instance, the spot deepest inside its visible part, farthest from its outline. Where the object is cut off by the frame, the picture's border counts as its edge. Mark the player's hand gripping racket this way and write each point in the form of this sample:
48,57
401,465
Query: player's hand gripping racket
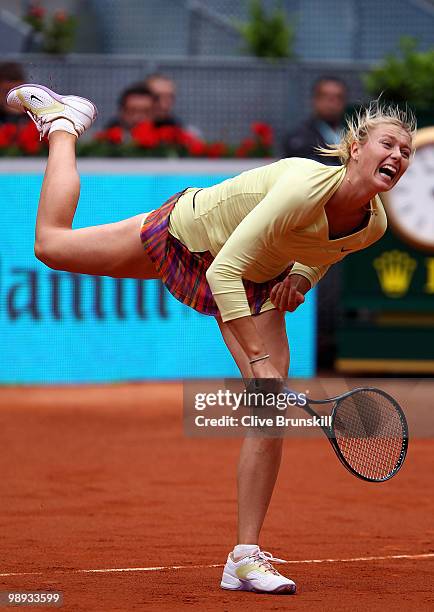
368,432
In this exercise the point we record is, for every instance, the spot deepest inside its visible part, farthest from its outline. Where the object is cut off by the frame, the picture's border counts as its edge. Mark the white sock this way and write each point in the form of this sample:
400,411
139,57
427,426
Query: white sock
63,125
243,550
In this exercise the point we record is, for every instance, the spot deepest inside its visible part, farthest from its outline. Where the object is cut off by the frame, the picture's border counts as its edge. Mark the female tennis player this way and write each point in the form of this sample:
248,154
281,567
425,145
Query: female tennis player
244,251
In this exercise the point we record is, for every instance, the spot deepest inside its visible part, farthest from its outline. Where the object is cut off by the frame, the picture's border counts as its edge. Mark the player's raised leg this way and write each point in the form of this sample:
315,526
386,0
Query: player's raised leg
247,567
113,249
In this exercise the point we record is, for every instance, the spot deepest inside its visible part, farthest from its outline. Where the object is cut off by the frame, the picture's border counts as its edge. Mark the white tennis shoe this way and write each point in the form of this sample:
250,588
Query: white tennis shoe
255,573
45,106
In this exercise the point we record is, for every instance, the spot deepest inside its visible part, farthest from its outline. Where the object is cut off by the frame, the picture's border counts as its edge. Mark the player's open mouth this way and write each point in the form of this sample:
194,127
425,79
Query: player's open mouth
388,171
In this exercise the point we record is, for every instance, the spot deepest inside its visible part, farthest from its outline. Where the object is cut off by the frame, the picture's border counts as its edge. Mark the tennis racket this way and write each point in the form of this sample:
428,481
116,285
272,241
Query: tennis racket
368,432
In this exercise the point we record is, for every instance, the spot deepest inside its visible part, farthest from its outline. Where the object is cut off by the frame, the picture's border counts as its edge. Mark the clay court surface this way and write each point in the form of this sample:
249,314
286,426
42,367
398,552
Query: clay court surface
102,478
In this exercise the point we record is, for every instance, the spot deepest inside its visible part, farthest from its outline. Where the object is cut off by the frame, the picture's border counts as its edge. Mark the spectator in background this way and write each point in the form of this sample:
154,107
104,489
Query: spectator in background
11,75
136,104
325,126
163,89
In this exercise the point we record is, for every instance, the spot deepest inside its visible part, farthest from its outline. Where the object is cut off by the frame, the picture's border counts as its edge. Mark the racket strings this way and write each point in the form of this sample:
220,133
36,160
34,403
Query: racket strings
370,434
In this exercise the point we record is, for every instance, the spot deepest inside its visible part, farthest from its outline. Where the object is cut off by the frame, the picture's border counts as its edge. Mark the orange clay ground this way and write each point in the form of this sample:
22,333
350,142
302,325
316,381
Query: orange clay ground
99,478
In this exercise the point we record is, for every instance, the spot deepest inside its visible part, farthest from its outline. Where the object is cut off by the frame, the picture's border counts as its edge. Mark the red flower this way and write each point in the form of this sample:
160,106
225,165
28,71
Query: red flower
264,133
8,132
193,144
246,147
169,134
217,149
185,138
115,135
60,16
146,135
28,139
36,11
163,140
196,148
101,135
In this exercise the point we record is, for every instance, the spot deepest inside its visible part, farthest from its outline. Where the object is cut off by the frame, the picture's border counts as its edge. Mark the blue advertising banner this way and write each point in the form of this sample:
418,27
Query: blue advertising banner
58,327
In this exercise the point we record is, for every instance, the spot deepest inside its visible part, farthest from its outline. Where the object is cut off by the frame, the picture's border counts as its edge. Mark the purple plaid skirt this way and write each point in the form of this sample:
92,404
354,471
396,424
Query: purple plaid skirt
184,272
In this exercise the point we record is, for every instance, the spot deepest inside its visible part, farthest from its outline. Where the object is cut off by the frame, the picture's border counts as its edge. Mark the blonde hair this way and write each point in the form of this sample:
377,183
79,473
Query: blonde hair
358,127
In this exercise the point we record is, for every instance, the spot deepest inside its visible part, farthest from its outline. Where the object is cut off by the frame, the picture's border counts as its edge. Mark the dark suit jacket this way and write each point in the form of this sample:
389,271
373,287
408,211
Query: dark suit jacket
171,121
302,142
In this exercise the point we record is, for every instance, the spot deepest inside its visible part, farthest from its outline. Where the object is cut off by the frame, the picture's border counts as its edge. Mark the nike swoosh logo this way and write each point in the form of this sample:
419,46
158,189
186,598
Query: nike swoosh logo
36,98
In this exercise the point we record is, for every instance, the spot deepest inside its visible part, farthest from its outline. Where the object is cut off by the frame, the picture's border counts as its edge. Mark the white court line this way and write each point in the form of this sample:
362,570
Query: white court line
160,568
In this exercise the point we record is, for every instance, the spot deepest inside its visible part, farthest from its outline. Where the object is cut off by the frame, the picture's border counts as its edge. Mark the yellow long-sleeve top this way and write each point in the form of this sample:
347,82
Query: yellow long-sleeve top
257,222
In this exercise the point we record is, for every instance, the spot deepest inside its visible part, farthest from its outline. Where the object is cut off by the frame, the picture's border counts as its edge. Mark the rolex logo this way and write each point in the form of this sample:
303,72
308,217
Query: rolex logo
395,270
